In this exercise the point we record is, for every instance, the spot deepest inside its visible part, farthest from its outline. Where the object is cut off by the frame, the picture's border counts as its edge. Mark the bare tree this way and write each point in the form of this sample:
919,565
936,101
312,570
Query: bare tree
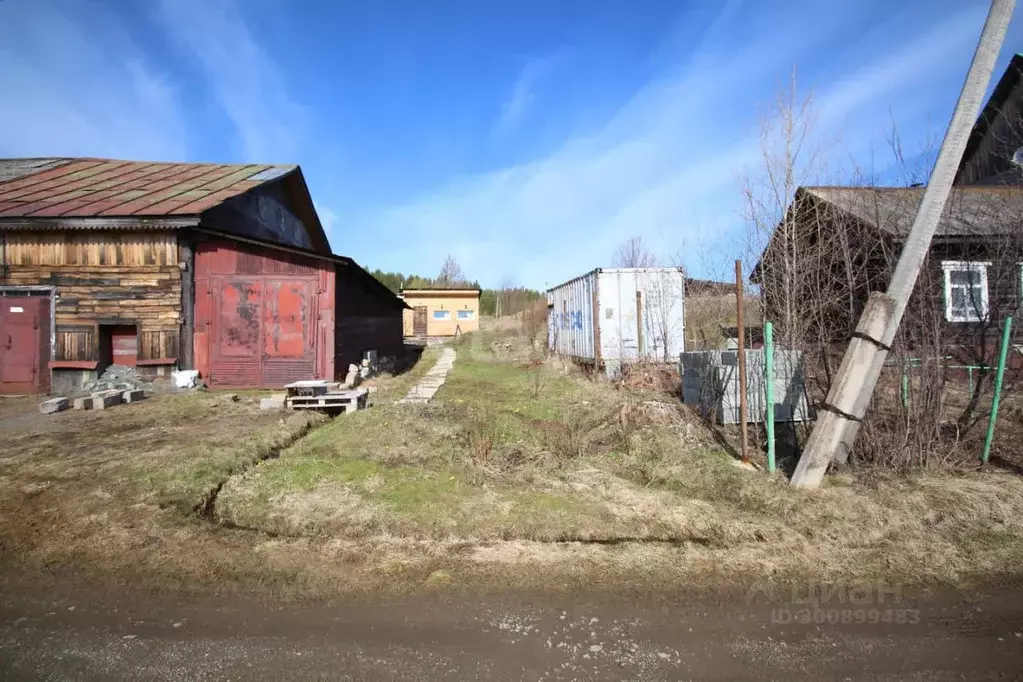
633,253
830,246
450,272
789,158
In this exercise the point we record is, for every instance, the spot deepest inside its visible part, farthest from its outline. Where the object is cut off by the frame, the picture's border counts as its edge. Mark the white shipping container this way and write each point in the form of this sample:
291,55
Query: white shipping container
626,314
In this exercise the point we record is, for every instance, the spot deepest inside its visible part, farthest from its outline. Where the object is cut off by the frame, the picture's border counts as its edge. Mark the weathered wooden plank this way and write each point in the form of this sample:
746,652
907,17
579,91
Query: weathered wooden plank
71,280
84,249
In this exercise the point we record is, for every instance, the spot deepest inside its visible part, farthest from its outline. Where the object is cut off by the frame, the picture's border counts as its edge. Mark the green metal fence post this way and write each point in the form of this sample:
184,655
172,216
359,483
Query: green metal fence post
769,383
905,386
1002,356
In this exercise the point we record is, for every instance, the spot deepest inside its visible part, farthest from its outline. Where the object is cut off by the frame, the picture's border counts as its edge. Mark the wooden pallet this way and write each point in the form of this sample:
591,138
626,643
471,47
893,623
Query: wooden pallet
343,401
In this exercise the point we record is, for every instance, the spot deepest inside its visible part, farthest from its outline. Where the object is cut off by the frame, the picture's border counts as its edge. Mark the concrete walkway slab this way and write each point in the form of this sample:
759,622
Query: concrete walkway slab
431,382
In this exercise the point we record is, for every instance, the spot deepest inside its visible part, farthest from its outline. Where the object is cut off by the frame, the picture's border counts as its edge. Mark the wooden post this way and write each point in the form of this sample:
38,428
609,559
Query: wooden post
186,255
743,414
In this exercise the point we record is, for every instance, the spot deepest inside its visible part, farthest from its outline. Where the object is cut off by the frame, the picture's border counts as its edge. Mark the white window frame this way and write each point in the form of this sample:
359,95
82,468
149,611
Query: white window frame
950,266
465,315
442,315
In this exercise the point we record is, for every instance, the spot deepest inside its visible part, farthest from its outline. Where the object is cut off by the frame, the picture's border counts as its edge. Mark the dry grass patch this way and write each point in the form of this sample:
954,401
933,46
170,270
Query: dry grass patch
582,486
491,460
102,491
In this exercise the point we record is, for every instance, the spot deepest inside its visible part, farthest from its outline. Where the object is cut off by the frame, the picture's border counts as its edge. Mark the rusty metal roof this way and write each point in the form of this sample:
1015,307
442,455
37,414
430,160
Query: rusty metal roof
91,188
971,211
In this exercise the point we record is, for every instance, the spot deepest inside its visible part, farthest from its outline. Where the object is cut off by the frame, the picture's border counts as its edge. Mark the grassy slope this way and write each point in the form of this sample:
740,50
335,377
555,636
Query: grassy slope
470,490
585,461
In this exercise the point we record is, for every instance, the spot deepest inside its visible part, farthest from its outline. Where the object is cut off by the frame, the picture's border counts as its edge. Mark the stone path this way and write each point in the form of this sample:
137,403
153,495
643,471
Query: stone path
434,379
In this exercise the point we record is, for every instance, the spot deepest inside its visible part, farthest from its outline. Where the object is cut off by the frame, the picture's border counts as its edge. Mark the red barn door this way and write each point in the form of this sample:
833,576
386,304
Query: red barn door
24,344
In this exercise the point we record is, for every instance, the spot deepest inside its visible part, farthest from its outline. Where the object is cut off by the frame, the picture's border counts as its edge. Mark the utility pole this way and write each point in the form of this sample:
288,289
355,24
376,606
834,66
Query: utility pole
839,419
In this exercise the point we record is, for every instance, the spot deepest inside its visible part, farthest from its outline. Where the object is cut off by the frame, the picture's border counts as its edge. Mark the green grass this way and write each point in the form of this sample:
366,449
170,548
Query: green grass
285,495
187,481
583,461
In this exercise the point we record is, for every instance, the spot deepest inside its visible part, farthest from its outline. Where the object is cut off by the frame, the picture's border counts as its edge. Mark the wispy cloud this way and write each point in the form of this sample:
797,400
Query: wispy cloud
244,79
328,218
75,83
664,167
521,98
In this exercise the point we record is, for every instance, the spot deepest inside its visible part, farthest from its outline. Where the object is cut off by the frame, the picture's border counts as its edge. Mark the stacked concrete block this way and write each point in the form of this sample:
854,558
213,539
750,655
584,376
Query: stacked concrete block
275,402
53,406
133,396
104,399
352,378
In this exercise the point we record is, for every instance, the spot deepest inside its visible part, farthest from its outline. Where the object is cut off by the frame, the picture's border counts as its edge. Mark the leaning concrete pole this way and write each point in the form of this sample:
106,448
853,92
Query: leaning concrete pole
840,416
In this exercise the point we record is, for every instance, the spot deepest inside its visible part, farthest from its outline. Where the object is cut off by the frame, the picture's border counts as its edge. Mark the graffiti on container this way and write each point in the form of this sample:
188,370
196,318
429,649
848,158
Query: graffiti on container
572,319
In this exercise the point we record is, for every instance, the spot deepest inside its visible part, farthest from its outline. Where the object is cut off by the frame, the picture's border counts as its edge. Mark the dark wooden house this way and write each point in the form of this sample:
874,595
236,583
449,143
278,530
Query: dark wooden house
221,268
840,243
837,244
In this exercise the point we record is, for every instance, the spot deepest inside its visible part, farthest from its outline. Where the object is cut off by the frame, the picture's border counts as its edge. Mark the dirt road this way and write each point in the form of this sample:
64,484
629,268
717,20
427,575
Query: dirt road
67,636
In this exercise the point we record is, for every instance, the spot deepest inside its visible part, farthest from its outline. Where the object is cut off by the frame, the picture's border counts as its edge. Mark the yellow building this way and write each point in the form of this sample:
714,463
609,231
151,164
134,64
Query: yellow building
441,312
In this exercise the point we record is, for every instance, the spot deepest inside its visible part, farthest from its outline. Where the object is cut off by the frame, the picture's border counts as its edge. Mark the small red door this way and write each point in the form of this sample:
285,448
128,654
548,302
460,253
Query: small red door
124,344
23,321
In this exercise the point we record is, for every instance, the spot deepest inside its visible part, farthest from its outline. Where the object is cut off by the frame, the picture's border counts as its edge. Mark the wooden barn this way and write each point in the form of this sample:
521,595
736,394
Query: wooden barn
221,268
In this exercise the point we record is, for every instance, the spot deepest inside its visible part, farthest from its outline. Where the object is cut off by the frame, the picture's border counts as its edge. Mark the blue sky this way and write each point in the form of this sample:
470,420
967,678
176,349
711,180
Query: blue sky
525,138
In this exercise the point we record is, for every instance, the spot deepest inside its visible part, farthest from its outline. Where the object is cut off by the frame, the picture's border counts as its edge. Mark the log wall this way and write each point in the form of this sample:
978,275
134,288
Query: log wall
104,277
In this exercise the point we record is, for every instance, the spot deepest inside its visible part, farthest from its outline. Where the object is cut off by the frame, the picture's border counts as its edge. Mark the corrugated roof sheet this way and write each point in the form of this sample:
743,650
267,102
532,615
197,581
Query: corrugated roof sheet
92,188
970,211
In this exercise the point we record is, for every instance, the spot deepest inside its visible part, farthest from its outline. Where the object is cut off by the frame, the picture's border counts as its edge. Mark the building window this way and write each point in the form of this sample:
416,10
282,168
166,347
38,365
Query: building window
966,295
466,314
442,314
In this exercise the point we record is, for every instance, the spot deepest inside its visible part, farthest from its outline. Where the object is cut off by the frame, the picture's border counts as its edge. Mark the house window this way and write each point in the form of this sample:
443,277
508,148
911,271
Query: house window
966,295
442,314
466,314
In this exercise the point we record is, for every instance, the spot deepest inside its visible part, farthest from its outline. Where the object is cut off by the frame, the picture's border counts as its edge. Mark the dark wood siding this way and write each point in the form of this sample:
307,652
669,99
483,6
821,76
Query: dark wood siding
262,214
368,318
103,277
831,285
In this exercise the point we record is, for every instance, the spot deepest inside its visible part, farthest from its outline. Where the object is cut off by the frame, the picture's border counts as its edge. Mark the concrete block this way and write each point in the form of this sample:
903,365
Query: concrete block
105,399
272,403
84,403
53,406
133,396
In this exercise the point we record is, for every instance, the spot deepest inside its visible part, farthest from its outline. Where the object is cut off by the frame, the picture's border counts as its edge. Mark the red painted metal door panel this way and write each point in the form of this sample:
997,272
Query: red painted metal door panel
22,360
286,312
240,303
236,357
262,318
